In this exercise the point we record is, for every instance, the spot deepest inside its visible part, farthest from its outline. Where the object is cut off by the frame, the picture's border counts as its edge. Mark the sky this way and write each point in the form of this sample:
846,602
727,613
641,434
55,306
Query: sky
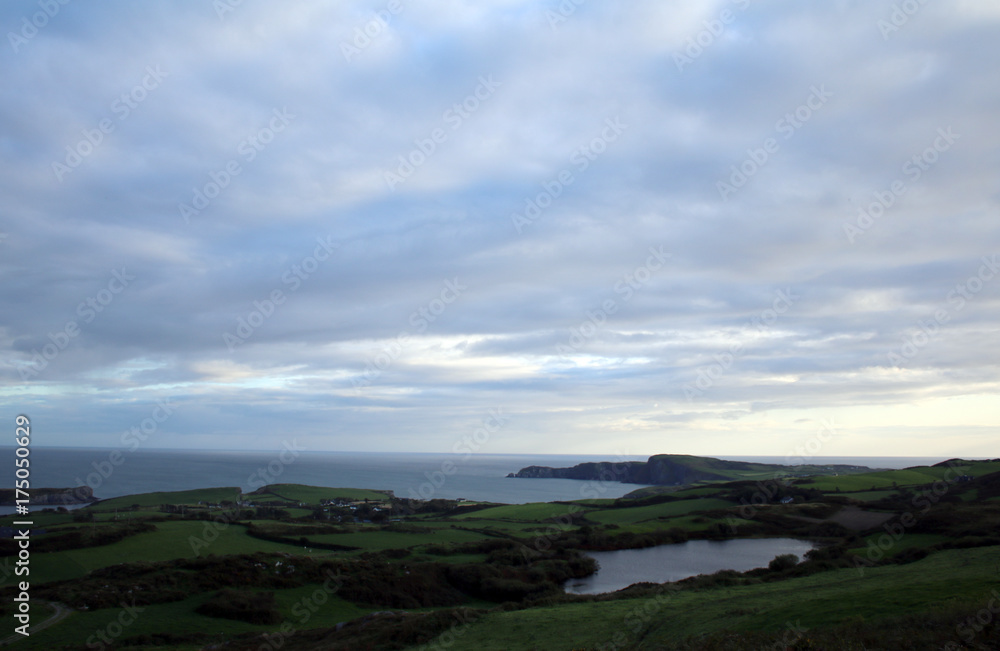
718,227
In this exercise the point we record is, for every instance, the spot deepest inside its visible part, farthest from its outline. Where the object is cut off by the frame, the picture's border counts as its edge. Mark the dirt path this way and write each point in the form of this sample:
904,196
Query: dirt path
61,612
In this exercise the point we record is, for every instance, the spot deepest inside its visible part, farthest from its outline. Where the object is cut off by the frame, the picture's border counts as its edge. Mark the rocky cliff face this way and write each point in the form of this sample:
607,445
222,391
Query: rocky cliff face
78,495
676,470
660,470
631,472
52,496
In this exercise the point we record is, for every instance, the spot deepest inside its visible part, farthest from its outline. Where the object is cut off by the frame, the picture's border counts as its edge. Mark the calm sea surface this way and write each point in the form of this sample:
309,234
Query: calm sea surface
474,477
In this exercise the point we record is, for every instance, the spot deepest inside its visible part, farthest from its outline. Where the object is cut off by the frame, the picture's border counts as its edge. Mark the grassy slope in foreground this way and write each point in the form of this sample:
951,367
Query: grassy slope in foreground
821,600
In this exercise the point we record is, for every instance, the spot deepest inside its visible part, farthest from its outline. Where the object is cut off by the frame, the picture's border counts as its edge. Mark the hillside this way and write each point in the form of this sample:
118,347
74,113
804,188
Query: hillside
308,568
679,470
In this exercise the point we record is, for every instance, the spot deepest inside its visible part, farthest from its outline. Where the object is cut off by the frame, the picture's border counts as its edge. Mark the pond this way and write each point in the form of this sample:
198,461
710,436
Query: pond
620,569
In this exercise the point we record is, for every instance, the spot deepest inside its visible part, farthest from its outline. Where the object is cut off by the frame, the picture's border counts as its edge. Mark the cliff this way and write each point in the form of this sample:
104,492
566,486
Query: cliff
671,470
51,496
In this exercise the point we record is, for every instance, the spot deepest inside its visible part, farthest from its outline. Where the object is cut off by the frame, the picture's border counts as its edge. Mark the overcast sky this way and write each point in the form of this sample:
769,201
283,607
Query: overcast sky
632,228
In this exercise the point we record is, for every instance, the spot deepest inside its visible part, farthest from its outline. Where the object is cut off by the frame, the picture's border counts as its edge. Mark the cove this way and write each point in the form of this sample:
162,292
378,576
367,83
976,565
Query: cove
620,569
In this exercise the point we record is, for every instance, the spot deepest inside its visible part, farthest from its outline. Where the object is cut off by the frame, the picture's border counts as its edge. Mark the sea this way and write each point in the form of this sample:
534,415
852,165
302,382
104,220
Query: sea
479,477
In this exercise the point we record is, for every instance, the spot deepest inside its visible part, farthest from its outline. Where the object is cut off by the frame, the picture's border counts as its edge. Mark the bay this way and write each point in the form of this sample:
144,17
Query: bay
477,477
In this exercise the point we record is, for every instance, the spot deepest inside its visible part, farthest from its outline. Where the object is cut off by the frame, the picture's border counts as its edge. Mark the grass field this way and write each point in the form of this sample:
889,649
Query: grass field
864,496
885,479
40,519
691,523
207,495
314,494
819,600
171,540
907,542
378,540
665,510
695,492
503,525
304,607
533,512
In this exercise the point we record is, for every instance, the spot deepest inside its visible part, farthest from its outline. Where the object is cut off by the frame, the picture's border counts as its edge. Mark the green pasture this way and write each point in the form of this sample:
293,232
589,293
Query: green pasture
377,540
534,512
501,525
690,523
632,515
171,540
908,477
864,496
304,607
904,543
315,494
660,621
178,498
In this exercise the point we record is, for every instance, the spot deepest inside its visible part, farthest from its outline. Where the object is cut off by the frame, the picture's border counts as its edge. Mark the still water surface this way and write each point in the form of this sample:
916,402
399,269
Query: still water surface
620,569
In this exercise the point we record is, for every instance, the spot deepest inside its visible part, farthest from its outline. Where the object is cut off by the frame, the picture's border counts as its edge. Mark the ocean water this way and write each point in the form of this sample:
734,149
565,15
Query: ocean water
474,477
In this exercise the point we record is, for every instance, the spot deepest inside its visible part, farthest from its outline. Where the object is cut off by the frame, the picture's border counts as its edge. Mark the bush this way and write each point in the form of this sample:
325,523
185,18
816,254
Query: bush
783,562
242,605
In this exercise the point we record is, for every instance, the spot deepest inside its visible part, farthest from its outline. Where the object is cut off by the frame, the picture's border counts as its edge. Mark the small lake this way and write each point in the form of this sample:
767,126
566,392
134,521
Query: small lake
620,569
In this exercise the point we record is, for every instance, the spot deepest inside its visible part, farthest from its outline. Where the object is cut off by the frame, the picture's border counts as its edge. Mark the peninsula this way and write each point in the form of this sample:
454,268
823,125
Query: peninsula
51,496
680,470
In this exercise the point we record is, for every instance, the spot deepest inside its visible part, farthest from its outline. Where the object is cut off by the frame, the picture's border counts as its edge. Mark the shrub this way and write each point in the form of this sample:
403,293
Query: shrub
783,562
242,605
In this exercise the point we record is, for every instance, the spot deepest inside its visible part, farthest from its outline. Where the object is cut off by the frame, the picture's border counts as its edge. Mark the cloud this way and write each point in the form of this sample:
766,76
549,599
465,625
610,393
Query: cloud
808,152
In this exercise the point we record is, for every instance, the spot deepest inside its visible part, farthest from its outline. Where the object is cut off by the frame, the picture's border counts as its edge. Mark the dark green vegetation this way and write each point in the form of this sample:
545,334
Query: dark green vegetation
907,559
